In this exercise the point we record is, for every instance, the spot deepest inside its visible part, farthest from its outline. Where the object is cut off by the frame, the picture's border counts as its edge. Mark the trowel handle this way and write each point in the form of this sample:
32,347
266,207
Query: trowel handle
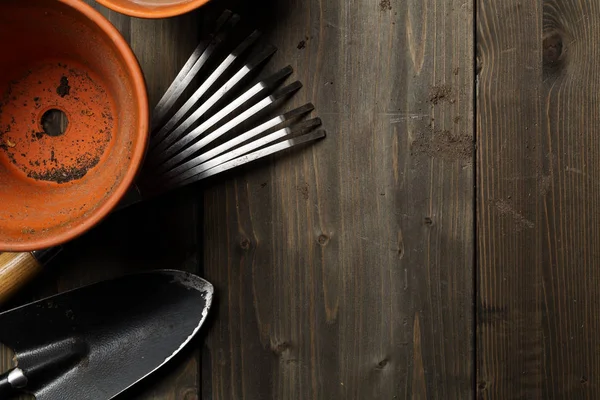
18,269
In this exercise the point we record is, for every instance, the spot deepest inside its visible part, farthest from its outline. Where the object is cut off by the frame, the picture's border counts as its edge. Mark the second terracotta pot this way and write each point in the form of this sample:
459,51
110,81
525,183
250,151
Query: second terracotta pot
152,8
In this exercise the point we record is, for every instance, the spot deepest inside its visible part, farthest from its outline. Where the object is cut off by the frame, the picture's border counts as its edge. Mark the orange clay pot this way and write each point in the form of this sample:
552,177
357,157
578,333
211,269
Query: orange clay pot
152,8
61,56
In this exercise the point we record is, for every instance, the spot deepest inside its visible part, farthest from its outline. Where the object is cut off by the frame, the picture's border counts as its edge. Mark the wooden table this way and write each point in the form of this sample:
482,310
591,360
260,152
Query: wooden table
344,270
440,243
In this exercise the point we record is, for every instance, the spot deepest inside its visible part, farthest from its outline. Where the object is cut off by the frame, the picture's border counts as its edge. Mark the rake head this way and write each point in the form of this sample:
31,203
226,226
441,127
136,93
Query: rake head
217,115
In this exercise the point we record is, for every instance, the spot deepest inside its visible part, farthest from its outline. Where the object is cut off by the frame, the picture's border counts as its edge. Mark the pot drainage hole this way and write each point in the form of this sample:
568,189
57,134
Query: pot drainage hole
54,122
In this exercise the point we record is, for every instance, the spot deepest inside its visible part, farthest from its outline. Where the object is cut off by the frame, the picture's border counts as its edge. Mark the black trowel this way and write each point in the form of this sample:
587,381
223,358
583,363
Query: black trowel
97,341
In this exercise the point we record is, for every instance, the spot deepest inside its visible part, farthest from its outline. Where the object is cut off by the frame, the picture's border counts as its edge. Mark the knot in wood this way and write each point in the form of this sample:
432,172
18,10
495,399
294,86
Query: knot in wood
190,394
323,239
553,48
281,348
382,364
245,244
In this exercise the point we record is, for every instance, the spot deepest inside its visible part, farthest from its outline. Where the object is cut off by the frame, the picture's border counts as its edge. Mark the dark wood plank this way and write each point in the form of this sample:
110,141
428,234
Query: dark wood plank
159,234
538,230
345,270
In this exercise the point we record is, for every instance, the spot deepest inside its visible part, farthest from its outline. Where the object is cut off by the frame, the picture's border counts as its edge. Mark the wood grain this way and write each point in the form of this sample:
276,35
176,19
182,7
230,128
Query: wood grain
344,270
538,142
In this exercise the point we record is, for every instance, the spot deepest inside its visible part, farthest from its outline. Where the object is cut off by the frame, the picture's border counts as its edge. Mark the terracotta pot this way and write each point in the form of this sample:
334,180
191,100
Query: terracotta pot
152,8
61,61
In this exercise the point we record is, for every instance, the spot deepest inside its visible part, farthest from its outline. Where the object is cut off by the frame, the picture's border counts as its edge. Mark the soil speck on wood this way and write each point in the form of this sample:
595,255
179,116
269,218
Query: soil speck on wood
445,145
385,5
303,190
439,93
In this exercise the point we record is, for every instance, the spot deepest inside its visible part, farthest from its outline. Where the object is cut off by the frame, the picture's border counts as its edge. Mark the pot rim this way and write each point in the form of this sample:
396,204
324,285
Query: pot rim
161,12
134,69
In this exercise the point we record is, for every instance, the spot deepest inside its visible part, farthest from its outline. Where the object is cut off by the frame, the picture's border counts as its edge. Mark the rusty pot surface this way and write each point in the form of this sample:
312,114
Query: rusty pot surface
152,8
73,121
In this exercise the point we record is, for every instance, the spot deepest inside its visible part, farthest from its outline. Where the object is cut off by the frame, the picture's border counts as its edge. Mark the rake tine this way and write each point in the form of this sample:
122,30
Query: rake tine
238,140
218,95
174,154
191,68
220,70
248,158
220,24
302,127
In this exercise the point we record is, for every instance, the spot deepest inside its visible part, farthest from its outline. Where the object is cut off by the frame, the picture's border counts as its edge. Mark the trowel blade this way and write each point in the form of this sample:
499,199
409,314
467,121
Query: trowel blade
97,341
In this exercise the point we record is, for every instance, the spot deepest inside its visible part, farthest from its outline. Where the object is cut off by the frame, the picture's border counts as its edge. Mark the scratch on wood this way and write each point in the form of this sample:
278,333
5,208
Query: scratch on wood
519,178
379,245
506,209
575,171
400,245
395,150
398,118
416,44
419,387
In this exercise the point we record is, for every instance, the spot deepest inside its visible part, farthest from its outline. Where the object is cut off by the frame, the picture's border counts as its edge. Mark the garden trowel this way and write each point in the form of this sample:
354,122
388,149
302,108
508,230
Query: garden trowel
97,341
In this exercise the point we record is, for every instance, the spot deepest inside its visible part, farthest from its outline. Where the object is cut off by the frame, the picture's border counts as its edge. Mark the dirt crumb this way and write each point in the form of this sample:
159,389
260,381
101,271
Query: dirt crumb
445,145
385,5
64,174
303,190
438,94
545,182
63,89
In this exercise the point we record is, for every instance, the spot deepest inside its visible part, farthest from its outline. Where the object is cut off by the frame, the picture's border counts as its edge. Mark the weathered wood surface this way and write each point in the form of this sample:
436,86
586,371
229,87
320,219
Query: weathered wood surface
344,270
537,220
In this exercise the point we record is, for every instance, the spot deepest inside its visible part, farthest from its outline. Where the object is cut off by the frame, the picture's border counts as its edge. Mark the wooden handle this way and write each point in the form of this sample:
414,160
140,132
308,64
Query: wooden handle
16,270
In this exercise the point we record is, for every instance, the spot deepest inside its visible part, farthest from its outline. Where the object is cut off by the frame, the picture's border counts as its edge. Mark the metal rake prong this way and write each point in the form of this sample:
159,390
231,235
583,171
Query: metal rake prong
239,139
178,151
217,36
250,157
243,150
194,64
173,136
236,141
207,84
179,138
